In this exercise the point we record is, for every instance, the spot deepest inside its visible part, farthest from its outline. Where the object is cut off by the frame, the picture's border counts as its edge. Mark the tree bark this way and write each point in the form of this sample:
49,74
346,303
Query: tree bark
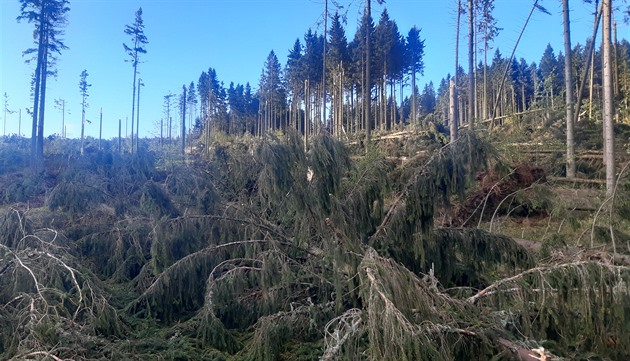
609,148
42,102
133,98
471,69
138,118
38,73
324,63
183,123
368,89
453,110
453,101
568,85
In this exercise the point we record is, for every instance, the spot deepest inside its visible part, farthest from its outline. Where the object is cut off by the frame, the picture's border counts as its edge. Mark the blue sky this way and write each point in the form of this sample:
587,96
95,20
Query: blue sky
187,37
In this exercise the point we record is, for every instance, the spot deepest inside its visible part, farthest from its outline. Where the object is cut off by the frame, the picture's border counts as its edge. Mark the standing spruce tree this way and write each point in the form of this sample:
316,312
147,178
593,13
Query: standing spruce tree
337,62
415,64
83,89
295,82
548,68
272,94
49,18
138,41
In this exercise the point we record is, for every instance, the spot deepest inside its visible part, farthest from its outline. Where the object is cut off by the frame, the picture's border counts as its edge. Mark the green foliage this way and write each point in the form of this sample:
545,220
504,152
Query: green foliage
13,227
580,306
21,188
261,250
329,162
428,183
74,198
12,159
156,203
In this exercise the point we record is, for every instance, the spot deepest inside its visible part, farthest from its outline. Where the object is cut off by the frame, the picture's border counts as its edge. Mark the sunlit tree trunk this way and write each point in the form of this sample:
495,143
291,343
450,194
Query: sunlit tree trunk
453,101
471,69
609,148
568,86
183,122
453,110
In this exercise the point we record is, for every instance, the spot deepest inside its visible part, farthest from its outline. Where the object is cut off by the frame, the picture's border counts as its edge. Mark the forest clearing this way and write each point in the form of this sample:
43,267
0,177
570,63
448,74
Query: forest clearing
336,212
417,249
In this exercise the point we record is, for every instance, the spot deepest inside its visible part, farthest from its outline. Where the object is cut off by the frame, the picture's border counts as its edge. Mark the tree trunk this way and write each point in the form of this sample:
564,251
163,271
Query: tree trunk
133,98
609,149
82,125
414,95
42,102
183,124
471,69
589,65
119,136
453,110
324,63
138,118
38,73
568,85
367,90
100,129
485,77
453,98
615,60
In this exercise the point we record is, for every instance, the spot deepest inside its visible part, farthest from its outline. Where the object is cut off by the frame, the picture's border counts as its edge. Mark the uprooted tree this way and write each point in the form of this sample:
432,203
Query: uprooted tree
265,251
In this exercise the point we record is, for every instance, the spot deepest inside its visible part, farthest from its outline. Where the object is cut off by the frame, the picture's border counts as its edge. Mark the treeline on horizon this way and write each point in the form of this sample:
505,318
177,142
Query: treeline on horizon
351,86
291,96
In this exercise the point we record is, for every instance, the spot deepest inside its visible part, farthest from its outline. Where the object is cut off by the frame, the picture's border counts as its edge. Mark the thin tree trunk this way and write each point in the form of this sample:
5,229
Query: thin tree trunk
100,129
138,119
324,65
453,98
119,135
183,123
133,100
609,150
509,62
615,58
36,92
471,69
589,65
82,125
568,85
63,118
485,79
306,114
368,89
453,110
42,103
